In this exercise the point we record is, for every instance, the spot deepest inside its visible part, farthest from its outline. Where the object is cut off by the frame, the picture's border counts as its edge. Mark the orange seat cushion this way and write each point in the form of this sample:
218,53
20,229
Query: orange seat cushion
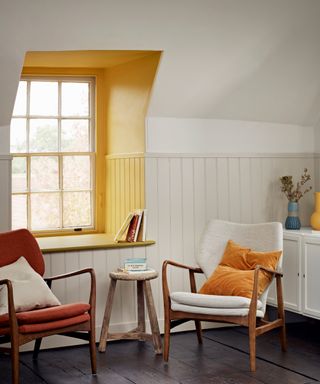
234,275
49,326
51,314
42,327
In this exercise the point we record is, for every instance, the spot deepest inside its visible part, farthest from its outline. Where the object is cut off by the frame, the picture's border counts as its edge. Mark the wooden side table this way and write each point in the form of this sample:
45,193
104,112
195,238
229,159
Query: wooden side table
143,292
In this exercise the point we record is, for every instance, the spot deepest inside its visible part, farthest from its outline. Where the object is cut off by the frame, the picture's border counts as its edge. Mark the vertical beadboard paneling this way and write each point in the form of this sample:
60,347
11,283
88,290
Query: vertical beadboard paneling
153,252
164,219
182,193
234,190
223,188
269,185
257,193
126,189
245,191
72,283
200,197
176,214
211,188
188,214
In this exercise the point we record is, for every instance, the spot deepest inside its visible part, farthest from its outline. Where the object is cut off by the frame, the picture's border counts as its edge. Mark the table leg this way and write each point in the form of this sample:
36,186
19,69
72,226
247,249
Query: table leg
141,308
153,318
107,315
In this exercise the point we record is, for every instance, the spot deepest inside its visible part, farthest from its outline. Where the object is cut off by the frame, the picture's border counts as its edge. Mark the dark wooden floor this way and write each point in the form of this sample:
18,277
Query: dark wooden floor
221,359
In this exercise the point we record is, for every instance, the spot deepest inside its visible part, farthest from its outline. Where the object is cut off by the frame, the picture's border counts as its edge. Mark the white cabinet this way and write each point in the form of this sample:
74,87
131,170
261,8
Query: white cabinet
291,282
301,272
311,276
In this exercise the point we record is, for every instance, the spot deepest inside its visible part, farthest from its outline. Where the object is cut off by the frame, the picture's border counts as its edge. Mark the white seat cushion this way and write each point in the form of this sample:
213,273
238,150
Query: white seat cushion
213,304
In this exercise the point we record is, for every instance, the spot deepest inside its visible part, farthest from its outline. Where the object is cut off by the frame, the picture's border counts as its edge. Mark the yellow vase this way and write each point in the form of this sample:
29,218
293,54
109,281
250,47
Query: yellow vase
315,217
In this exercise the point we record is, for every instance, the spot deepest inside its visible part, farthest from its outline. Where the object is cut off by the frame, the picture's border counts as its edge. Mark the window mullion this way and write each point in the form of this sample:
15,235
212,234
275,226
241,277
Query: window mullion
28,159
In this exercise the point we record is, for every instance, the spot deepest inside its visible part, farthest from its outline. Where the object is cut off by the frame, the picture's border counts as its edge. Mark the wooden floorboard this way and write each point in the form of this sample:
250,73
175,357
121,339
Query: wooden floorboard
221,359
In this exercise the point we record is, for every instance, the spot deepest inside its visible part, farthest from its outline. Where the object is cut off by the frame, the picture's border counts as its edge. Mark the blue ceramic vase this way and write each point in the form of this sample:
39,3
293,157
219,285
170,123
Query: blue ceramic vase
293,221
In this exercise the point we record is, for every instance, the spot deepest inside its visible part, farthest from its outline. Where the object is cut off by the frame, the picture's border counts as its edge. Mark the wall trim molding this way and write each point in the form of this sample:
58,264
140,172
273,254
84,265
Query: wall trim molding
282,155
125,155
235,155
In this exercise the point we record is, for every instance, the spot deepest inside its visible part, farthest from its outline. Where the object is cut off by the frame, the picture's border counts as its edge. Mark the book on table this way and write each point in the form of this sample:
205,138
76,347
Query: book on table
135,264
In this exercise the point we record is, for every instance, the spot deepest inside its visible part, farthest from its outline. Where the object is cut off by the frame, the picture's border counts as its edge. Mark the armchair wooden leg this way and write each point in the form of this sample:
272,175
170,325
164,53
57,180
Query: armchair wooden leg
252,347
166,341
93,358
283,337
15,362
36,348
199,330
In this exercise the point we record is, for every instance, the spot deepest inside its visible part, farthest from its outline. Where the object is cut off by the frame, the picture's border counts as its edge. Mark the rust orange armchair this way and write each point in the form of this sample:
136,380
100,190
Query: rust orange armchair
18,328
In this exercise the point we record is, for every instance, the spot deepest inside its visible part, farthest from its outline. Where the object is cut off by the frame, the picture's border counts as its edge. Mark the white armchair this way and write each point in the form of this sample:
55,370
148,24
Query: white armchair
180,307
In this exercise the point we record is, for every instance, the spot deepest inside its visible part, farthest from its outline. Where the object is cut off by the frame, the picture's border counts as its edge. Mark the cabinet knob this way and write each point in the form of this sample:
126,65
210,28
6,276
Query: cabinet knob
304,275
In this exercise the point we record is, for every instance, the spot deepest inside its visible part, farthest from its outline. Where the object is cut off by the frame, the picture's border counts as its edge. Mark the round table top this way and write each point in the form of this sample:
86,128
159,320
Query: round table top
133,276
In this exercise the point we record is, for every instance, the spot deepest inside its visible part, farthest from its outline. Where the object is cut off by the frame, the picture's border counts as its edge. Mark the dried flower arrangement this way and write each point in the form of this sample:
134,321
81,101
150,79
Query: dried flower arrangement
288,188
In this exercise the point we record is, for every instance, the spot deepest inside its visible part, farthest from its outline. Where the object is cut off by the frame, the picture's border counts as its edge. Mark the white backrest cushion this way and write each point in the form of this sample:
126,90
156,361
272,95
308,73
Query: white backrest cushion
30,291
259,237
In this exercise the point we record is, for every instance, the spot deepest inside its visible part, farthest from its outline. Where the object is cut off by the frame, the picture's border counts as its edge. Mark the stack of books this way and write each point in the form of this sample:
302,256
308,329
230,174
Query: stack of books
134,227
135,264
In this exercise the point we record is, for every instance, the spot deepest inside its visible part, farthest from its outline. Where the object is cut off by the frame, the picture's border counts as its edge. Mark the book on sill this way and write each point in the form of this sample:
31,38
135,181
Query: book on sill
123,227
134,226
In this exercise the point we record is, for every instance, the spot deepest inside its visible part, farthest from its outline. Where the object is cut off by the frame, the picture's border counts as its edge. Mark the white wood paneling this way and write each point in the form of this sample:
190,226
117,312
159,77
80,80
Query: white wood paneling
182,193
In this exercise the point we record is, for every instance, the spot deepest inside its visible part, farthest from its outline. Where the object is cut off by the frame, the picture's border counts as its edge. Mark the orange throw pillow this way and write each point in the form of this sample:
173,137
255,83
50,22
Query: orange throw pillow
235,274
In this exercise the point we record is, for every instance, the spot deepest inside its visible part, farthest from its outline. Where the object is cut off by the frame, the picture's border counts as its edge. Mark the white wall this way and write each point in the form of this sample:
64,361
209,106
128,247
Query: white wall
249,60
173,135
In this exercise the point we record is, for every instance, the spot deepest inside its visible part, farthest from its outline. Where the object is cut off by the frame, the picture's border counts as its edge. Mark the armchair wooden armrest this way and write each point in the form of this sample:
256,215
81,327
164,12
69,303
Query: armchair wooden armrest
254,299
92,297
179,265
165,288
276,273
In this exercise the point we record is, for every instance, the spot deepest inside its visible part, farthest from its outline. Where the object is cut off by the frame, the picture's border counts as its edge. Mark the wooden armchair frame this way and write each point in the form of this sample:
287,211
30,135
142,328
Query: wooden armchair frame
256,326
84,331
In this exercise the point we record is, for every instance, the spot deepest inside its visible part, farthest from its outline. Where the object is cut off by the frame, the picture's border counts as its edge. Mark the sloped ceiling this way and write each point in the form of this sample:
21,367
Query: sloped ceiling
253,60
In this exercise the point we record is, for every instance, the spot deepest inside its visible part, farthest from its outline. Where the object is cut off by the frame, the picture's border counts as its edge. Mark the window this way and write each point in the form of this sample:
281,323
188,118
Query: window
52,143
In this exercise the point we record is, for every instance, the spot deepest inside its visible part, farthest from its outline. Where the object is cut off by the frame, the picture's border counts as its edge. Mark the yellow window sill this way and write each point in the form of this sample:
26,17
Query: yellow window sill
83,242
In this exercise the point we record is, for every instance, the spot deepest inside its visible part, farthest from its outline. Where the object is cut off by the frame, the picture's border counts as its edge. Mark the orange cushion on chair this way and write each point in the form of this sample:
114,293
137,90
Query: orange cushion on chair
234,275
50,314
42,327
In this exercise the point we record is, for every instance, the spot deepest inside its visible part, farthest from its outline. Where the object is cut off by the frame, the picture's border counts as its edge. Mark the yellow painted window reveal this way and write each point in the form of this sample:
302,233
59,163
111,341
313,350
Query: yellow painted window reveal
123,81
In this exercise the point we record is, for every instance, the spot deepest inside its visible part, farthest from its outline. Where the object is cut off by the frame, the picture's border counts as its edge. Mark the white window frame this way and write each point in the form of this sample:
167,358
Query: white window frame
91,153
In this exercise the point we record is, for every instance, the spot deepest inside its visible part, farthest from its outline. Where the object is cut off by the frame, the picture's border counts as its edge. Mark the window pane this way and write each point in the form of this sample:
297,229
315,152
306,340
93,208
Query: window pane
45,211
19,211
18,135
19,174
76,209
44,98
75,99
44,173
43,135
76,172
75,136
20,105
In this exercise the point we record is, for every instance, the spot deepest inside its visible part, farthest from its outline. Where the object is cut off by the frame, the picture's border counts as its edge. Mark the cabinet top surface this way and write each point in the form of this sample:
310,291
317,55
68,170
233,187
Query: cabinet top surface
303,231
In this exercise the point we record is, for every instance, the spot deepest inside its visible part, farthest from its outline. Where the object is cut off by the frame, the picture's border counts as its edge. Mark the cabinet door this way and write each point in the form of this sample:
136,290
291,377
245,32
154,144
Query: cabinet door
291,276
311,274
